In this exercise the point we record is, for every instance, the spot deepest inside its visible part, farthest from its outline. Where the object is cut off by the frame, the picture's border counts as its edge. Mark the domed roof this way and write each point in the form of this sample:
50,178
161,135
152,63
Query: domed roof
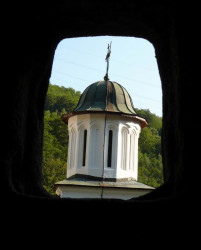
106,96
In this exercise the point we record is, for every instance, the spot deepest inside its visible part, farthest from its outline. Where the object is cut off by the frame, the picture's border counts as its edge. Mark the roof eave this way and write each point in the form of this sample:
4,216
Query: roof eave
142,121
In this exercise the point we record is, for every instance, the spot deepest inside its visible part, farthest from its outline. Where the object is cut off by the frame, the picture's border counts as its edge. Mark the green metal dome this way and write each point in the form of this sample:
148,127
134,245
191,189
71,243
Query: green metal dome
105,96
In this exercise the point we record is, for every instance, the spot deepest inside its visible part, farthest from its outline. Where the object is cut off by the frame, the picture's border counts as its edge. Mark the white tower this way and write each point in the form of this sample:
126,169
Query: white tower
103,134
103,144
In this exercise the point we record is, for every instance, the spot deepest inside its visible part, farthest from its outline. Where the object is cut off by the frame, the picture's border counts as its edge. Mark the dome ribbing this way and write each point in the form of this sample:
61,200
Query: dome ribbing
106,96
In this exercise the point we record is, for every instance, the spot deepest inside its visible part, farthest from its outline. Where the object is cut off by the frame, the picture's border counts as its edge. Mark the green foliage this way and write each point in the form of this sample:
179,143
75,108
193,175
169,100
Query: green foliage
153,120
55,136
150,141
150,168
54,170
61,100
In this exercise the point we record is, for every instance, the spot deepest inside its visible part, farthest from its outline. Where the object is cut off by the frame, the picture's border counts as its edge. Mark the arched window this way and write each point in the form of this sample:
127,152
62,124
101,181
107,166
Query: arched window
109,155
132,151
84,148
72,148
124,149
96,147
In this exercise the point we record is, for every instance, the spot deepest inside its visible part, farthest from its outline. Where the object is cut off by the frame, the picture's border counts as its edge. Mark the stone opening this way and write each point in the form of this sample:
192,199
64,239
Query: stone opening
131,161
156,22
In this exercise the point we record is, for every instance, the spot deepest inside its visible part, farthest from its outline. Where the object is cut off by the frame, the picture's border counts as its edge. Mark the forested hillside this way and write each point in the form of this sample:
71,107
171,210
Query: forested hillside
61,100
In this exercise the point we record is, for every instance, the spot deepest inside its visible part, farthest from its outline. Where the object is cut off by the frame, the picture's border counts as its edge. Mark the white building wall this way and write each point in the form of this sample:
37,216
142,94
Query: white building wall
111,124
72,147
135,174
124,146
128,150
96,142
80,192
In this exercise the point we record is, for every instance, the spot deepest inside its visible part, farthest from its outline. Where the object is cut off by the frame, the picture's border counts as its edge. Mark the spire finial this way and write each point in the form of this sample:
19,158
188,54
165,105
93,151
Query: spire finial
107,60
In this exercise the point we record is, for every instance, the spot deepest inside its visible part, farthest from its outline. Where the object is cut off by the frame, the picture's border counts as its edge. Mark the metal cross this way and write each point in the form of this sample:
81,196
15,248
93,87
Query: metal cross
107,60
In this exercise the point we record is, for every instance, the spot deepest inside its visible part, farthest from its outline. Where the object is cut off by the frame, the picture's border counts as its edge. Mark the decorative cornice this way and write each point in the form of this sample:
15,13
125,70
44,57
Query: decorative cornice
142,121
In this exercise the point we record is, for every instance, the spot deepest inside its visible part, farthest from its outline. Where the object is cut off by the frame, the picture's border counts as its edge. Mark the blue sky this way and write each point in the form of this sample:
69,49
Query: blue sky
79,62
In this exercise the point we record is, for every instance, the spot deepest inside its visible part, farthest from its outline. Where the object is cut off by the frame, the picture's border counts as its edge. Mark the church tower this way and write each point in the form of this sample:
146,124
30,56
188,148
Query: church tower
103,134
103,144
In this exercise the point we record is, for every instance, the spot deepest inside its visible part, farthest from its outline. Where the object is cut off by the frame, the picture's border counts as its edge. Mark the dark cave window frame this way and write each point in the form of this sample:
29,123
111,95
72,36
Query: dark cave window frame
83,159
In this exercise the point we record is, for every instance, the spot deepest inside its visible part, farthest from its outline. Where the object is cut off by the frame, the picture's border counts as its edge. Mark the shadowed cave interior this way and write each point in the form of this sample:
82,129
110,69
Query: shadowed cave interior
36,31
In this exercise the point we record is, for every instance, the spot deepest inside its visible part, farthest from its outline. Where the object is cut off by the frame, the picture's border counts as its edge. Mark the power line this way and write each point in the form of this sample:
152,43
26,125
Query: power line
147,98
83,66
62,81
79,65
71,76
141,82
146,104
130,79
137,103
115,61
85,80
133,94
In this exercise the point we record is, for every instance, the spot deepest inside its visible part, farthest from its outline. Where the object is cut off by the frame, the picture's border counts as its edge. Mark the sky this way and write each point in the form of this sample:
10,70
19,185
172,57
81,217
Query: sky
79,62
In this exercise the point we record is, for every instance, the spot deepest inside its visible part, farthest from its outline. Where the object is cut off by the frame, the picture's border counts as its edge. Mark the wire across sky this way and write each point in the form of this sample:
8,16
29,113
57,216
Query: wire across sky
79,62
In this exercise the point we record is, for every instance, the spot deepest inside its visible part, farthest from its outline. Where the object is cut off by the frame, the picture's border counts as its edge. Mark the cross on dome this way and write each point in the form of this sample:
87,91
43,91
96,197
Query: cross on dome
107,58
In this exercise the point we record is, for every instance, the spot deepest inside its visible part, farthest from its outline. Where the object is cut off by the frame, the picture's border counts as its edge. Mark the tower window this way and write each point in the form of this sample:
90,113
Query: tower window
124,150
109,158
84,148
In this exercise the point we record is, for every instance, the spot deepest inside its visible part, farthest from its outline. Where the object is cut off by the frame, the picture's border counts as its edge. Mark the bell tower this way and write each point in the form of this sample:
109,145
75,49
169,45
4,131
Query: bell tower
103,134
103,144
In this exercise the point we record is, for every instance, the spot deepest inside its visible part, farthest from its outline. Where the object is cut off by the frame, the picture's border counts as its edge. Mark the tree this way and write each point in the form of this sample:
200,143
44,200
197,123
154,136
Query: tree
150,170
54,170
150,141
61,100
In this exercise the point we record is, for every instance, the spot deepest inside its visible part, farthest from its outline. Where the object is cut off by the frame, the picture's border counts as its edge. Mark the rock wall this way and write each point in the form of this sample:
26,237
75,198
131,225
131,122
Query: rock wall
33,31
